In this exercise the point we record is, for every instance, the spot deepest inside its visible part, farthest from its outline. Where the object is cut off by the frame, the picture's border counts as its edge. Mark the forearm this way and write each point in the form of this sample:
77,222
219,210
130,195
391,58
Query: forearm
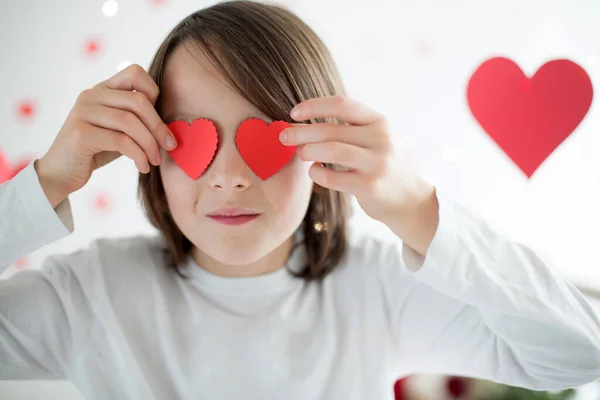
27,219
54,196
543,321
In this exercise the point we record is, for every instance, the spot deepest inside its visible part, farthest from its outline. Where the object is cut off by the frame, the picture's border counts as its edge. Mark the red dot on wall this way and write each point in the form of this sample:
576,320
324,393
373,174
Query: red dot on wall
102,202
26,109
21,264
93,47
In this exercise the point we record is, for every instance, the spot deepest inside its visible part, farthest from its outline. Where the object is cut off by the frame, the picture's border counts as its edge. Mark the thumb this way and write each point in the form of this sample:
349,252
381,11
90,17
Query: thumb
105,157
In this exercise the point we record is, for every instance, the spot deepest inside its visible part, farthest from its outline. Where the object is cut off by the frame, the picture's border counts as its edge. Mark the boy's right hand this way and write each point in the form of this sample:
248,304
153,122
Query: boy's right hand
106,121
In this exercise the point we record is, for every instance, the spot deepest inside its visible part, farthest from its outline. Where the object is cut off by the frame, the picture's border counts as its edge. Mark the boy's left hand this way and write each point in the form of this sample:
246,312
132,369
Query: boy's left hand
381,178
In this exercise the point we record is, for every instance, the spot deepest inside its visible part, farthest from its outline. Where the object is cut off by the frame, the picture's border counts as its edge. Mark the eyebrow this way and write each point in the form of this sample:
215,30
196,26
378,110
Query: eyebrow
190,117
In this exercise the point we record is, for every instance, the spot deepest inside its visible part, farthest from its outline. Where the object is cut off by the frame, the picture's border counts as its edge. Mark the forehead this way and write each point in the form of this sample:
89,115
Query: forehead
193,88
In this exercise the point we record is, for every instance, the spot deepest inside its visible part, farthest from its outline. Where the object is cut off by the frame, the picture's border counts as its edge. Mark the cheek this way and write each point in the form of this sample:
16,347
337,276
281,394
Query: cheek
290,189
180,189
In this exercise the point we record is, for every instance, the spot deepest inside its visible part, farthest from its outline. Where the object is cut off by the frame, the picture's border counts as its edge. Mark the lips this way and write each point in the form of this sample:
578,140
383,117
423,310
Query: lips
233,216
237,220
232,212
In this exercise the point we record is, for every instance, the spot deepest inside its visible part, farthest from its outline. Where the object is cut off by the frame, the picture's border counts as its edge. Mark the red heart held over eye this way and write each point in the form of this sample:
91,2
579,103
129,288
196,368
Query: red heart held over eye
196,145
529,117
259,146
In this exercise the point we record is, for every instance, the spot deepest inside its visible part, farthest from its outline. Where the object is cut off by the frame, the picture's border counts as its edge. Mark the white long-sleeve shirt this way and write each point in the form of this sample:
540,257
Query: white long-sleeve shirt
114,321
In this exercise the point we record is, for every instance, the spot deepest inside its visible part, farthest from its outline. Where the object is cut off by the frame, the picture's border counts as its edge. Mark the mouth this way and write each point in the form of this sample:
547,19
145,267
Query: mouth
233,216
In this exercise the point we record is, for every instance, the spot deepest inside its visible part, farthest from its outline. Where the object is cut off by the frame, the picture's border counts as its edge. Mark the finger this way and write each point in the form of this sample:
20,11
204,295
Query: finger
314,133
341,107
134,77
137,103
343,181
101,139
126,122
343,154
105,157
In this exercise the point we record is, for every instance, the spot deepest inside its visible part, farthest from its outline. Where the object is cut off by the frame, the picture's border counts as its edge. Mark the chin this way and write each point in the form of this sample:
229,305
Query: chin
235,251
237,259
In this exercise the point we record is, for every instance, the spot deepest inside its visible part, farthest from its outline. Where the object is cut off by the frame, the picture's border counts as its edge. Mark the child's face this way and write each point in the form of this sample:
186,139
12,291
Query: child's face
192,86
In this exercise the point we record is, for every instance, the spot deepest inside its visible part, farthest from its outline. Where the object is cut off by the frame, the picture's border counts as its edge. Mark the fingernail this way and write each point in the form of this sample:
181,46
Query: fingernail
170,142
283,136
295,113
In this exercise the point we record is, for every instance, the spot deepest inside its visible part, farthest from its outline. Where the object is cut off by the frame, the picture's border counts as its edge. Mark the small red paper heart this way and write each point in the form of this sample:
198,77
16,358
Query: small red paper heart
259,146
529,117
196,145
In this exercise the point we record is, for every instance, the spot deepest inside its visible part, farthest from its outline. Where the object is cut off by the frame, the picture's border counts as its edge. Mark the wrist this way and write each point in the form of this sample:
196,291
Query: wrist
416,223
419,197
50,187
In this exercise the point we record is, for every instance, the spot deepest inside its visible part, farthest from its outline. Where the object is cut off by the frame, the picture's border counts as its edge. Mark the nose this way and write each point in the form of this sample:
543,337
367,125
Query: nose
228,171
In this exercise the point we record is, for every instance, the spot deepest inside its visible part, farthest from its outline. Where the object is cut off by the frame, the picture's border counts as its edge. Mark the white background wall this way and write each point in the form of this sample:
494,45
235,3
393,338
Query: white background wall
408,59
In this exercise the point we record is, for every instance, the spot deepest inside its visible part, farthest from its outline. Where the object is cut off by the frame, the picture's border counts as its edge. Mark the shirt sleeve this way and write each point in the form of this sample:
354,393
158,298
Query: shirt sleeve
27,219
483,306
45,317
44,314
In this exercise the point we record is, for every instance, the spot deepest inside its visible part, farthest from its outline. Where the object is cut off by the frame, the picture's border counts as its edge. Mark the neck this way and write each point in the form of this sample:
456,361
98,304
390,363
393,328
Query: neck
272,261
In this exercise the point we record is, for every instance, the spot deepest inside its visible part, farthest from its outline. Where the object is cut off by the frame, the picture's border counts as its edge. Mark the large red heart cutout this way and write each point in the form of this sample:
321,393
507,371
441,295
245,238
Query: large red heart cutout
259,146
196,145
529,117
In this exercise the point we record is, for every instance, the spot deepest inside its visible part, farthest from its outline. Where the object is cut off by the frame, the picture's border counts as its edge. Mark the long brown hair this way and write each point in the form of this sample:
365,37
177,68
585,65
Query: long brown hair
275,61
